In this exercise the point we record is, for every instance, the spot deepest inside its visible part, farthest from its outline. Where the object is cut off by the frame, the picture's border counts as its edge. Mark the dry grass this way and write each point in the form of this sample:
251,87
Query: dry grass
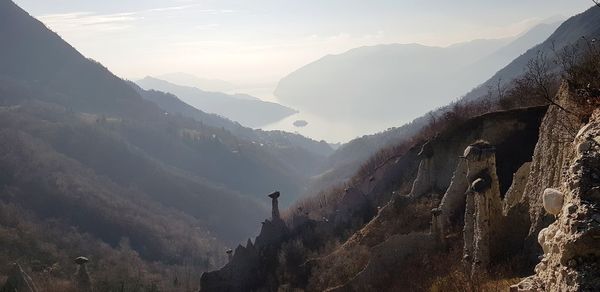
339,267
458,281
499,278
56,286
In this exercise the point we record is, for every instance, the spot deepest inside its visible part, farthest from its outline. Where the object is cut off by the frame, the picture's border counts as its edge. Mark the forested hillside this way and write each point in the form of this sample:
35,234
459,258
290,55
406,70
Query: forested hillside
90,167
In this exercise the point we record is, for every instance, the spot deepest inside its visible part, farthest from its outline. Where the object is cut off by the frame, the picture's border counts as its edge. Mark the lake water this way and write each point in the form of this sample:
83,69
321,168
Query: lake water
318,128
322,129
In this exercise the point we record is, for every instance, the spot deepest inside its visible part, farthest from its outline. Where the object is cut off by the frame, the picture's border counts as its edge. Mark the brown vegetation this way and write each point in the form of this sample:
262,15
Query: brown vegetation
578,65
47,249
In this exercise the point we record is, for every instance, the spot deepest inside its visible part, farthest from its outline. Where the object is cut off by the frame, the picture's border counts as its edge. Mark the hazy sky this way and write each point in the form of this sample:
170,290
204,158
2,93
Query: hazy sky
255,41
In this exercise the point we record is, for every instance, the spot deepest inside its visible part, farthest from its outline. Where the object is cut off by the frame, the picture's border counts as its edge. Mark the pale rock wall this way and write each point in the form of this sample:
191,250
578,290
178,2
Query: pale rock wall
423,184
571,244
480,237
515,192
552,156
454,198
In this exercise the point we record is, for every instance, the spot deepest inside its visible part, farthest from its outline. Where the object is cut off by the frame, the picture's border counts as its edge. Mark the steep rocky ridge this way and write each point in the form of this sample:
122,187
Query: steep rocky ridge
352,154
475,204
254,265
496,227
570,244
491,207
412,184
390,242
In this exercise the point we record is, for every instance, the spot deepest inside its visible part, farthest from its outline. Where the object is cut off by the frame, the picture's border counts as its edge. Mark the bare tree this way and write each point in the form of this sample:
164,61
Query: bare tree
496,91
539,74
500,90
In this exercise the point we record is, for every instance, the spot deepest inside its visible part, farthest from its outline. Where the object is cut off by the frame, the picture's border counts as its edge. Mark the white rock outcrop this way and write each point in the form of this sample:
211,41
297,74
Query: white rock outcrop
571,244
483,207
552,199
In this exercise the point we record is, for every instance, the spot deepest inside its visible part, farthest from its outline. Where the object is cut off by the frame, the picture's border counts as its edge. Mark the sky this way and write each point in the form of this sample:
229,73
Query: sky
257,42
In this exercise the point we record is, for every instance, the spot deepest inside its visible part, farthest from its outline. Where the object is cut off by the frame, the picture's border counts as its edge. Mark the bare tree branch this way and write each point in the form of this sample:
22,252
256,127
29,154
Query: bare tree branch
539,74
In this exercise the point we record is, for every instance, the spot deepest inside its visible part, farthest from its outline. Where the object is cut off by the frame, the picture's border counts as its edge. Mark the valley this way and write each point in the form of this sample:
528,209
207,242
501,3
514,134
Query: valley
391,167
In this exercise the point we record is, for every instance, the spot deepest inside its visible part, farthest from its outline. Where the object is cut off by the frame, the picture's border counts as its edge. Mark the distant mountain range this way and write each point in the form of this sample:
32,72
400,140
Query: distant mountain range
587,24
584,25
191,80
383,82
506,54
247,110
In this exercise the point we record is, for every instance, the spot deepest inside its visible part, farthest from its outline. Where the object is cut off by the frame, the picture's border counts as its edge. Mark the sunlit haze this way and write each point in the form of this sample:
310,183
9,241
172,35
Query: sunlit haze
261,41
253,44
299,145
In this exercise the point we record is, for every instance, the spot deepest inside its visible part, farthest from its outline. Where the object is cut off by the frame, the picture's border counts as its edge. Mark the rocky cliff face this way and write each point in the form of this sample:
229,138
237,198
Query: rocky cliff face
511,189
252,267
551,158
571,243
441,171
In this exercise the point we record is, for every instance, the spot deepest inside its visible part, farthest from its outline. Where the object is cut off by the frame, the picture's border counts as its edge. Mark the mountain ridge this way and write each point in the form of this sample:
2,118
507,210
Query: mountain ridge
125,179
249,112
376,84
191,80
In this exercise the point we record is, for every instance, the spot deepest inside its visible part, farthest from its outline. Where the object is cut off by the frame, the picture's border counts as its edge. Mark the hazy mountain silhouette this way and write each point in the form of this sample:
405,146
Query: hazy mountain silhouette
586,24
83,148
39,59
191,80
240,108
505,55
382,82
303,154
350,155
